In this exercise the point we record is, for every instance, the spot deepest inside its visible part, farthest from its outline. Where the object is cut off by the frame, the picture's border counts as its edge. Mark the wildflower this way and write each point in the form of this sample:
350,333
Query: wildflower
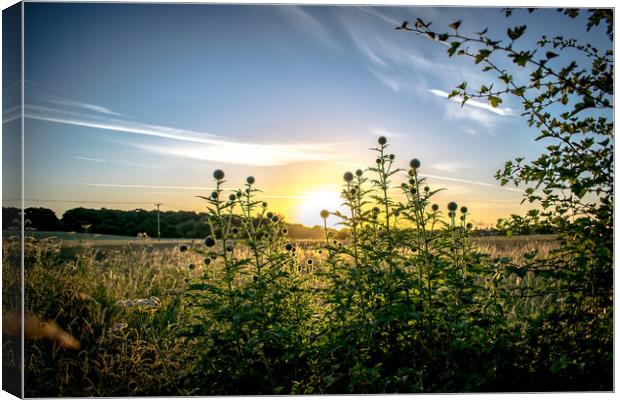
309,261
284,231
324,214
378,161
232,197
469,225
392,157
464,210
452,206
214,195
274,218
435,207
235,231
353,191
414,163
412,190
206,261
359,172
348,176
264,204
209,242
183,248
250,180
229,249
288,247
382,140
269,215
427,189
218,174
239,194
412,181
192,267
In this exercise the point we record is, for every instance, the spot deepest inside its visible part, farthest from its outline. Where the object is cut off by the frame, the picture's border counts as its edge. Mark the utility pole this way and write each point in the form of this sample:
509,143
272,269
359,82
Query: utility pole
158,230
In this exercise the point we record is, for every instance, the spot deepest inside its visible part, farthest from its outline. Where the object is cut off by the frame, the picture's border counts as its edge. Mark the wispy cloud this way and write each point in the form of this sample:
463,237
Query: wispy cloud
133,186
303,20
474,103
119,162
449,166
190,144
98,160
386,133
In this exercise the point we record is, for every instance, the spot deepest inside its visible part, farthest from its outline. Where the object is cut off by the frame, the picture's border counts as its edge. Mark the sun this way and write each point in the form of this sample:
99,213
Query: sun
325,198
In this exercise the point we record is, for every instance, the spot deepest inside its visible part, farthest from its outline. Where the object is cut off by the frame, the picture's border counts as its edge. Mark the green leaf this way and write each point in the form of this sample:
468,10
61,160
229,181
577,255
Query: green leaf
482,54
453,47
455,25
516,33
551,55
495,101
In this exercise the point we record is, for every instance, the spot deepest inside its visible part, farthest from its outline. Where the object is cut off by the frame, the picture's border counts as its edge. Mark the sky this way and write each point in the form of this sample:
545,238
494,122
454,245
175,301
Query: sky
128,105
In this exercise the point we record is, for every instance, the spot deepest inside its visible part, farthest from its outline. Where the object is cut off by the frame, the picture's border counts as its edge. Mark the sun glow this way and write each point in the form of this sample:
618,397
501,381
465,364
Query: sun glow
327,198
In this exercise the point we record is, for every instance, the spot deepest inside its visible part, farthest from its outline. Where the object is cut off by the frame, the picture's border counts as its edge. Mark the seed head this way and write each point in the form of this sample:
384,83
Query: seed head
348,176
309,261
414,163
284,231
359,172
232,197
239,194
353,191
192,267
412,190
452,206
209,242
435,207
378,161
412,181
382,140
324,214
392,157
427,189
275,218
464,210
218,174
469,225
288,247
250,180
264,204
235,231
206,261
183,248
269,215
376,210
214,195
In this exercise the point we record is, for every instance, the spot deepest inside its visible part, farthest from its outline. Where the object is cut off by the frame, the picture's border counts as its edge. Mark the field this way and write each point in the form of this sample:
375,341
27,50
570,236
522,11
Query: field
151,320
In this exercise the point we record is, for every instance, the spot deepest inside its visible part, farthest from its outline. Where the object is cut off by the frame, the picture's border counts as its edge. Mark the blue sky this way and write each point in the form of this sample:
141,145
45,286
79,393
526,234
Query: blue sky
132,104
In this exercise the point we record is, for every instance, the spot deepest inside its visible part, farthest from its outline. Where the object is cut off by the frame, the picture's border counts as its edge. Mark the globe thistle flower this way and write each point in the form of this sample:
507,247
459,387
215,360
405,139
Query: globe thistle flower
269,215
218,174
239,194
348,176
411,172
324,214
452,206
359,172
250,180
284,231
206,261
264,204
288,247
469,225
392,157
229,249
382,140
462,218
275,218
378,161
214,195
414,163
435,207
183,248
451,214
232,197
309,261
209,242
353,191
412,190
427,189
192,267
235,231
376,210
464,210
412,181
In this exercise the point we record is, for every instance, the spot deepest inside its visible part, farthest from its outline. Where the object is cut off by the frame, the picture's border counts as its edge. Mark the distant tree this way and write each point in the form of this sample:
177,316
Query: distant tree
42,219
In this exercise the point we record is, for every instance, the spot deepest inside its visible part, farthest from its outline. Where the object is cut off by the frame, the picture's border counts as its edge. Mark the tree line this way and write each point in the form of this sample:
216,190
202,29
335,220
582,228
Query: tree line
173,224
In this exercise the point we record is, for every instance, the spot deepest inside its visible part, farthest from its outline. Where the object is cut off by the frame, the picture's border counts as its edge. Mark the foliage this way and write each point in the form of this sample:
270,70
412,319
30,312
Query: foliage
569,98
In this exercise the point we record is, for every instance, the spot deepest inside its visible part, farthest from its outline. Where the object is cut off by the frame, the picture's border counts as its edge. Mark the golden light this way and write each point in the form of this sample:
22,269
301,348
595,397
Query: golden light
326,198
